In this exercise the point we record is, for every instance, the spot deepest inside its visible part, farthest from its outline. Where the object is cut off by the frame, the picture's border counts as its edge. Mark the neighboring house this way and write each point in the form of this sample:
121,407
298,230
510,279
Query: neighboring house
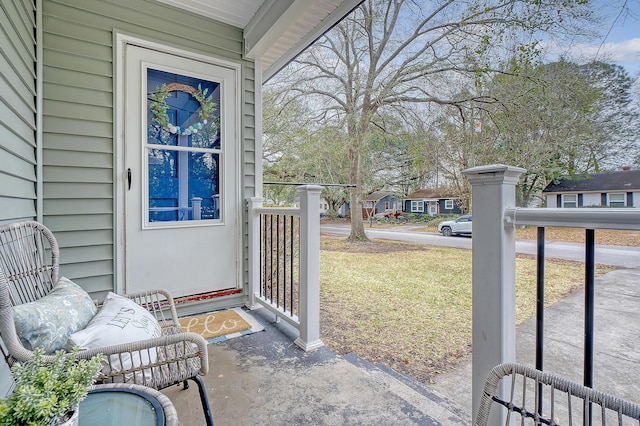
378,202
432,202
614,189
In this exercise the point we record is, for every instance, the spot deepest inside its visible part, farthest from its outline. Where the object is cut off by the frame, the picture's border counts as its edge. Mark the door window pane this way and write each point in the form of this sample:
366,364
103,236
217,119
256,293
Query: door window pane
182,148
173,197
175,114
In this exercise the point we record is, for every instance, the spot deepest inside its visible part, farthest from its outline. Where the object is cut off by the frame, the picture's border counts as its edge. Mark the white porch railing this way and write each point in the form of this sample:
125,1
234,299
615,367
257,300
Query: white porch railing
284,263
494,220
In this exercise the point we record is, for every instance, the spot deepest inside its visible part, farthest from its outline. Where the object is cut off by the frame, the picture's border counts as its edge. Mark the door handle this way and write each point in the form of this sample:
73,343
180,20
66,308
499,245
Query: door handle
129,178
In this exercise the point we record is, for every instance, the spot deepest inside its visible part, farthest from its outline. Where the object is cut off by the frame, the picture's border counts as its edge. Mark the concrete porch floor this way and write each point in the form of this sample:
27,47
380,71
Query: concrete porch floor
264,379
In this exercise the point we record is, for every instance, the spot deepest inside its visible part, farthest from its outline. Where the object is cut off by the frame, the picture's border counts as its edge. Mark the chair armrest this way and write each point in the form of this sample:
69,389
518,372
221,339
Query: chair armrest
168,343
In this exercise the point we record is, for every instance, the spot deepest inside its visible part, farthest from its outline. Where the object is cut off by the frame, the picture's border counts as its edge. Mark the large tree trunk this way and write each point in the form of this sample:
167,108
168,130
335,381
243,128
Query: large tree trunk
357,224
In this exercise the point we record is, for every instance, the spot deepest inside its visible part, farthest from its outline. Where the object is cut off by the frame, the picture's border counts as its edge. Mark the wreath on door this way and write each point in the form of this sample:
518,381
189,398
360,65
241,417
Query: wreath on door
159,107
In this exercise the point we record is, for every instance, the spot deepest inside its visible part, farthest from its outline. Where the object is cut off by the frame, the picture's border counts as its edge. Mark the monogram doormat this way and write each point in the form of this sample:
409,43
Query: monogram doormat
219,326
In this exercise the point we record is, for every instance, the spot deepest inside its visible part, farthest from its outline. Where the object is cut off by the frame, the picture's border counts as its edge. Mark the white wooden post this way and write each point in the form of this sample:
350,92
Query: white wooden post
196,205
254,249
309,338
494,332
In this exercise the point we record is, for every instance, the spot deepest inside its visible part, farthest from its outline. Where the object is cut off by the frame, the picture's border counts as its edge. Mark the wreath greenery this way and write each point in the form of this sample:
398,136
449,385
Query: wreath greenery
159,107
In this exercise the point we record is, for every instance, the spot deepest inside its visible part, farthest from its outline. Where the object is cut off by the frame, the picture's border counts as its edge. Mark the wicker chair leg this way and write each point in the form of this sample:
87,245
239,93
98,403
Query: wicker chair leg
205,401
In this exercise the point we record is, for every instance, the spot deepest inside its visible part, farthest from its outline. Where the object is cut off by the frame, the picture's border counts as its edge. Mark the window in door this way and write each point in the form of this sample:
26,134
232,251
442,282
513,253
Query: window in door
617,200
570,200
182,149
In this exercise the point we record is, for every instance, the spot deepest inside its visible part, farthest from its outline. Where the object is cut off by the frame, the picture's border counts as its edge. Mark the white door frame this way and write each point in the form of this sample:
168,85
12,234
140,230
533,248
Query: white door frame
120,41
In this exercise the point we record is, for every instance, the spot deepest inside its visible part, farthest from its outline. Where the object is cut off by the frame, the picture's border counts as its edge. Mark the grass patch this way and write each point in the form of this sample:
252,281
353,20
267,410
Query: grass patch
409,306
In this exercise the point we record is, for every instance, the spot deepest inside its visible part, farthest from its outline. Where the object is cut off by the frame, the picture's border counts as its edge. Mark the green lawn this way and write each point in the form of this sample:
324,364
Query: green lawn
409,306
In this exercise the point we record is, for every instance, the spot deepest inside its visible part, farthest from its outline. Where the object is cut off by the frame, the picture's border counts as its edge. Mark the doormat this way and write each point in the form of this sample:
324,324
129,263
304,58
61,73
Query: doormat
219,326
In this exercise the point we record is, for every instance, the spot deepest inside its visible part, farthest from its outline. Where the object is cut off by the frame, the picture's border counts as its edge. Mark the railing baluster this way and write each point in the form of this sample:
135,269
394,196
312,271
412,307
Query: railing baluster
263,255
278,236
284,261
540,309
271,258
589,314
589,299
291,265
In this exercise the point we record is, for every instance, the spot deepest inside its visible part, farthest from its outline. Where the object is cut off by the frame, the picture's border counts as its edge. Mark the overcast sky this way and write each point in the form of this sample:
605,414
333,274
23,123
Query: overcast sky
620,39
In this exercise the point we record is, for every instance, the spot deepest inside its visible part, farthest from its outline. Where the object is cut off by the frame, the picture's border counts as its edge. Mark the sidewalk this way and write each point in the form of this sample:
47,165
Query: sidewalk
616,347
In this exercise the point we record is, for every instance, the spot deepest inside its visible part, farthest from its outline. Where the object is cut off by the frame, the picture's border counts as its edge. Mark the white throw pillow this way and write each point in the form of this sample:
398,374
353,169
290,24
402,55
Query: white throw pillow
120,320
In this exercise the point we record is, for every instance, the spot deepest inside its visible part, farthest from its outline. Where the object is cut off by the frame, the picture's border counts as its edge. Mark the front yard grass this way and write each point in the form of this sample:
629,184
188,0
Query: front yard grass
408,306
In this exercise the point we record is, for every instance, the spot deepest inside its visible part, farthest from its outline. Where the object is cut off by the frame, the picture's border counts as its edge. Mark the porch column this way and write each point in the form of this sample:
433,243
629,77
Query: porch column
494,312
309,338
254,203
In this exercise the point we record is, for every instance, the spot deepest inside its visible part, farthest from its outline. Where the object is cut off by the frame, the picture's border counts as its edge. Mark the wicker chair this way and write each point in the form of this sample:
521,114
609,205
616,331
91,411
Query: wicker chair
562,402
29,268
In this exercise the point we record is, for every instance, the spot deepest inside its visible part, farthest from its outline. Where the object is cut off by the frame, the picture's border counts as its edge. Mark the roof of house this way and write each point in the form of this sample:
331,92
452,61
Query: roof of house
378,195
431,193
626,180
275,31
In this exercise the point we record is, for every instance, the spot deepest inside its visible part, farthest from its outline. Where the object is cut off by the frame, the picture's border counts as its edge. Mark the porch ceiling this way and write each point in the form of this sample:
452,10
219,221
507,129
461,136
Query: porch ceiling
275,31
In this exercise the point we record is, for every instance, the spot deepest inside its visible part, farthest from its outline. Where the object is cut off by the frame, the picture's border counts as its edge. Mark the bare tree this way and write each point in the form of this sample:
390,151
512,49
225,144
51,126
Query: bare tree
393,53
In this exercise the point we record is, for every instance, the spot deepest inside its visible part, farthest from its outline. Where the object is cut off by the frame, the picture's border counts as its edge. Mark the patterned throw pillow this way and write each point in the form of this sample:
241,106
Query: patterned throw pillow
120,320
49,321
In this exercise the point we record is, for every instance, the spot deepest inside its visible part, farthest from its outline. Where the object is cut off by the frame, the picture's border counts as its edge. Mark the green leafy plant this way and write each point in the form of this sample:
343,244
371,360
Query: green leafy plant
47,390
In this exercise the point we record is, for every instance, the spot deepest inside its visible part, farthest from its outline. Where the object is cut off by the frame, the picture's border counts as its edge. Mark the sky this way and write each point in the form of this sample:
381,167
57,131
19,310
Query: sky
620,39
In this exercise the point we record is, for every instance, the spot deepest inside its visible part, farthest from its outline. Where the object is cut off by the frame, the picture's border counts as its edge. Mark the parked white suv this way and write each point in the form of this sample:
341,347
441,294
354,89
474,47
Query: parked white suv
460,226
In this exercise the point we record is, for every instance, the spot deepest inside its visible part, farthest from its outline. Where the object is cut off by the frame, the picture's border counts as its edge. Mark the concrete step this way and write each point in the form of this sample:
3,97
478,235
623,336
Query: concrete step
429,407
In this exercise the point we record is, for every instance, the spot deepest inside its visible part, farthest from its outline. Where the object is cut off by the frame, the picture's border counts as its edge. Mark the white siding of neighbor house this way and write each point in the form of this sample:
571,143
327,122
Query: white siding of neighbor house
17,111
78,111
552,201
591,199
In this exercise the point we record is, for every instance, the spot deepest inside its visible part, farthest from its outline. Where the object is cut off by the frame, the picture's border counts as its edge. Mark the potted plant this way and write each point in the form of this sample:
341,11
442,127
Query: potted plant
47,392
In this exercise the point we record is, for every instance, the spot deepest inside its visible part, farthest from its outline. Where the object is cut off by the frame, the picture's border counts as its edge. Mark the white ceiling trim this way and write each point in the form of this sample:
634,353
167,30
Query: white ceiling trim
275,31
237,13
342,10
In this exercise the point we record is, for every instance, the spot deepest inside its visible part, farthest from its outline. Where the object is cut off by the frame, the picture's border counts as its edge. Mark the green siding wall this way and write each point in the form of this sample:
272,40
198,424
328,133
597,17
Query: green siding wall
17,111
78,104
17,122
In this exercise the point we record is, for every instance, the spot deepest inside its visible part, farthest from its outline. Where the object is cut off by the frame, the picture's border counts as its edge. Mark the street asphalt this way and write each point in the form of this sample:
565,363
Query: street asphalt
623,256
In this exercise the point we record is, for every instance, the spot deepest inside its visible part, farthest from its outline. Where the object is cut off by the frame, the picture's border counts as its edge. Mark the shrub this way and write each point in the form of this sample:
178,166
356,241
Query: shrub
45,390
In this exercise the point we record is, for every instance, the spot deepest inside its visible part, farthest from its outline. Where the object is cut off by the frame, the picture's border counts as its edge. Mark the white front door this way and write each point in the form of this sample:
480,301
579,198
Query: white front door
181,201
